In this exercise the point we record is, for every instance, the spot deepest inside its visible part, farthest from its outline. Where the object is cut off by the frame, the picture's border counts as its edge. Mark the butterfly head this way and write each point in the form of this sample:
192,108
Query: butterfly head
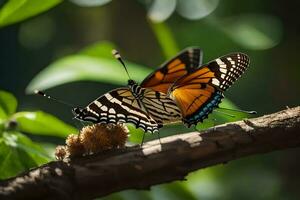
131,82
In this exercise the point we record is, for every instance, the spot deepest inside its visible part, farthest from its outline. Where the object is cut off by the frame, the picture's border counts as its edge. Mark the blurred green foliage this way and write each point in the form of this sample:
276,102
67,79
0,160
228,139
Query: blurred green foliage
17,151
17,10
74,42
92,63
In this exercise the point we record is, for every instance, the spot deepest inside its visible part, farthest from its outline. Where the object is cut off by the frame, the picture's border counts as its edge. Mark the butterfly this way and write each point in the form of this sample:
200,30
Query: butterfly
200,91
147,106
181,89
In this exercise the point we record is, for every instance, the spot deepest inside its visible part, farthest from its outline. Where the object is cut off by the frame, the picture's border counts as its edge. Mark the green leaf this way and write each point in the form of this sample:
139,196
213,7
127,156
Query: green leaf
17,10
18,153
80,68
49,148
40,123
8,104
136,134
196,9
159,10
99,49
256,32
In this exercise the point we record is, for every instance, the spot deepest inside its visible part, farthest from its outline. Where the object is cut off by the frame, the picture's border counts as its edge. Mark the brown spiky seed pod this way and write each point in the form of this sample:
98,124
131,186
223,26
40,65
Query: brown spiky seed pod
101,137
118,135
74,146
93,139
61,152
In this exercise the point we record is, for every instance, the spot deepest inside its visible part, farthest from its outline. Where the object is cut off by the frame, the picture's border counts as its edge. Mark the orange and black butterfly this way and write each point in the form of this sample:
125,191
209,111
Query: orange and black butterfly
200,91
181,89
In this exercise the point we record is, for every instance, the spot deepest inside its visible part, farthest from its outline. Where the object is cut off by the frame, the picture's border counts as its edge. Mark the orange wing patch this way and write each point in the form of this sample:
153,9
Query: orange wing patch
199,76
190,98
161,81
177,68
169,72
174,63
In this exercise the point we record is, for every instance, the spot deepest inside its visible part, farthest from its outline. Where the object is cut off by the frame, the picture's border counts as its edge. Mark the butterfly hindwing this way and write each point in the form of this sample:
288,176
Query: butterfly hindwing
182,64
161,108
198,93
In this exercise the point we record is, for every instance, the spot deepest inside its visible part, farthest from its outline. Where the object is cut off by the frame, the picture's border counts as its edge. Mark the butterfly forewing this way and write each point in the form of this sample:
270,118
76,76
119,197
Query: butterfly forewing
185,62
228,69
120,106
198,93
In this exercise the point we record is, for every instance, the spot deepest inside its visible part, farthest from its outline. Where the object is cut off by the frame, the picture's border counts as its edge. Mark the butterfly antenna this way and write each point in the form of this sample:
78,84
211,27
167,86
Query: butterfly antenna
119,58
251,112
38,92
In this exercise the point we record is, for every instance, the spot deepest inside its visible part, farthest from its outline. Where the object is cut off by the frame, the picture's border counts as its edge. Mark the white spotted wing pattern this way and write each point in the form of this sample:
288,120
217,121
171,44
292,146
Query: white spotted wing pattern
228,69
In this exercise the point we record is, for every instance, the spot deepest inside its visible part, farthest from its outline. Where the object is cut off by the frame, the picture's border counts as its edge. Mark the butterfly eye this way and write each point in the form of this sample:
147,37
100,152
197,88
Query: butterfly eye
76,111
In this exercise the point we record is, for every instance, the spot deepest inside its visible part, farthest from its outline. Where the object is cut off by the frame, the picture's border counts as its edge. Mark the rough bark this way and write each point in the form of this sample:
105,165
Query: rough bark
155,163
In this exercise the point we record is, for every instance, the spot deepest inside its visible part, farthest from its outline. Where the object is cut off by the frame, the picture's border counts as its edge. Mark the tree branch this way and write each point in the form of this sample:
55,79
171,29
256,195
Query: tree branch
140,168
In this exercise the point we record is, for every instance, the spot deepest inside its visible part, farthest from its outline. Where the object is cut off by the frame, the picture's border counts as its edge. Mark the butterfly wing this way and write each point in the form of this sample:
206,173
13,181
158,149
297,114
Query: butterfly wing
198,93
161,79
119,106
161,108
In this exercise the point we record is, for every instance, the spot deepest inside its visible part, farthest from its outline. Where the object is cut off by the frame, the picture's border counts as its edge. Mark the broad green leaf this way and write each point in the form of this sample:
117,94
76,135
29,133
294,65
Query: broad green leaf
17,10
40,123
49,148
159,10
196,9
19,153
8,104
90,3
81,67
135,134
10,164
100,49
256,32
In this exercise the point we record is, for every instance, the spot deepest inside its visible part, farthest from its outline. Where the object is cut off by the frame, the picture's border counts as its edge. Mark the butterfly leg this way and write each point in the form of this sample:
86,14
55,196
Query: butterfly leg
77,125
143,139
158,136
214,123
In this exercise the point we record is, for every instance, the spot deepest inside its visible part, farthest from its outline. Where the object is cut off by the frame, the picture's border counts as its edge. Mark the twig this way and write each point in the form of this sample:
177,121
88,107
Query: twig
140,168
